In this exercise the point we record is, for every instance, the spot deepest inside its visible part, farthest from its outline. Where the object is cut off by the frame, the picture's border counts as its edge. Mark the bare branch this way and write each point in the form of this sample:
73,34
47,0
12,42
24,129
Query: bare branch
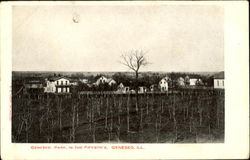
134,60
127,61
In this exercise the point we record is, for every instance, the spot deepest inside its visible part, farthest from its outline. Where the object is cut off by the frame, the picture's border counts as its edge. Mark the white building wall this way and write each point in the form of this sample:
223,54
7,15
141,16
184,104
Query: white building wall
112,82
192,82
50,87
102,79
219,83
59,90
142,89
62,81
163,85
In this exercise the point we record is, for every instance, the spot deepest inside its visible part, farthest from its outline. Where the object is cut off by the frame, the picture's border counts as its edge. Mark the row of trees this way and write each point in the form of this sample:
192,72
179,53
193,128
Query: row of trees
163,118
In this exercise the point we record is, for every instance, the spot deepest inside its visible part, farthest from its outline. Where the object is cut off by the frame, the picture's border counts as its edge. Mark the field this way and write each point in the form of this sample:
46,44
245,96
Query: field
180,116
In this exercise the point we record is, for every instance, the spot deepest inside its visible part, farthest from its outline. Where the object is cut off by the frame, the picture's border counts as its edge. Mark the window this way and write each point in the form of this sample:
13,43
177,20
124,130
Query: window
66,82
57,82
218,83
61,82
223,83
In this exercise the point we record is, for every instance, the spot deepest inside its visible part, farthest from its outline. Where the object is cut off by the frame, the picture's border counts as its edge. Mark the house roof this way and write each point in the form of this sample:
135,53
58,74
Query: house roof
100,76
56,78
110,79
166,78
120,84
181,78
219,75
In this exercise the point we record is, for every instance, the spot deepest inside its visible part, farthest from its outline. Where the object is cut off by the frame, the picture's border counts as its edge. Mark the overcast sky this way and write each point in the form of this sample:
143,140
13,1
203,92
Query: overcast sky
176,38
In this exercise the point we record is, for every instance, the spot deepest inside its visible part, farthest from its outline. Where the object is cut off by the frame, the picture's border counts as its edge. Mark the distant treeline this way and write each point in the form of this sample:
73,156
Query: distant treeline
127,78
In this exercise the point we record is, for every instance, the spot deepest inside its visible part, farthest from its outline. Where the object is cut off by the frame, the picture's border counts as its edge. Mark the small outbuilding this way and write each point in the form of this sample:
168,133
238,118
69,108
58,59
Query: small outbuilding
219,80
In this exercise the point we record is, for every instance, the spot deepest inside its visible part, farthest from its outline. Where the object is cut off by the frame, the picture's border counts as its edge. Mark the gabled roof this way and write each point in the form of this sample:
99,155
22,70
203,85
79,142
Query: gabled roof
181,78
110,79
121,84
219,75
101,76
166,78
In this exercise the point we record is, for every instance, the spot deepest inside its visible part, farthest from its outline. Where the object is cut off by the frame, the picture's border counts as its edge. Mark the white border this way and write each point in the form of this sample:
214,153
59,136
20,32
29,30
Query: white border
236,105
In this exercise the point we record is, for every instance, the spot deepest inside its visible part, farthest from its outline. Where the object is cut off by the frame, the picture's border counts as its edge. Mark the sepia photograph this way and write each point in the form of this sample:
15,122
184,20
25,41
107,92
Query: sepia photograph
124,80
118,74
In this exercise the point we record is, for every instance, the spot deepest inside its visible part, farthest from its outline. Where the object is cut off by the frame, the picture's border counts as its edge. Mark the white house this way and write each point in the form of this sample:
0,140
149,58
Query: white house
122,88
111,82
163,84
57,85
103,80
180,81
187,80
50,86
192,81
153,87
219,80
142,89
84,81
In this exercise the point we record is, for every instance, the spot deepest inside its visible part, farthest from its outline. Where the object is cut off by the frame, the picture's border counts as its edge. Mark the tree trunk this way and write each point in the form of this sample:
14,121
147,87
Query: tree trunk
141,117
106,113
60,116
77,116
40,125
119,120
147,104
175,122
27,131
217,114
128,114
73,124
93,122
162,105
156,128
136,91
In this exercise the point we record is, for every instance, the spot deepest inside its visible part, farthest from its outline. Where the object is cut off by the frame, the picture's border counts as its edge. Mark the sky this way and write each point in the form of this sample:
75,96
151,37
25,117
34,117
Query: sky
176,38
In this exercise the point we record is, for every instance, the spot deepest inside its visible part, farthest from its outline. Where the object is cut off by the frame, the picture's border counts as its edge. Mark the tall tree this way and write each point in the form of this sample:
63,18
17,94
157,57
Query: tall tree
134,60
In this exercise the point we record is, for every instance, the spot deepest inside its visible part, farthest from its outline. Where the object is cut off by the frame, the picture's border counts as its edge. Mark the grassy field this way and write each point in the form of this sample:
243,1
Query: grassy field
184,116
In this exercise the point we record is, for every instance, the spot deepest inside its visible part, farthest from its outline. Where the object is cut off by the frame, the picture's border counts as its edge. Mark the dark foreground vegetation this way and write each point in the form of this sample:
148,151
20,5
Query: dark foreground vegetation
180,116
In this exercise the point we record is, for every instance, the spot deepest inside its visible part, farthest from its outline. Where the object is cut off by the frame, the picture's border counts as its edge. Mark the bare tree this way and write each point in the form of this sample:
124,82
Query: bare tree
134,60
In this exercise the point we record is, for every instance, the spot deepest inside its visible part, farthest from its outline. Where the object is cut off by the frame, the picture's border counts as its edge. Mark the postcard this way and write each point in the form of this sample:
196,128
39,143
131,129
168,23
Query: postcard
124,80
